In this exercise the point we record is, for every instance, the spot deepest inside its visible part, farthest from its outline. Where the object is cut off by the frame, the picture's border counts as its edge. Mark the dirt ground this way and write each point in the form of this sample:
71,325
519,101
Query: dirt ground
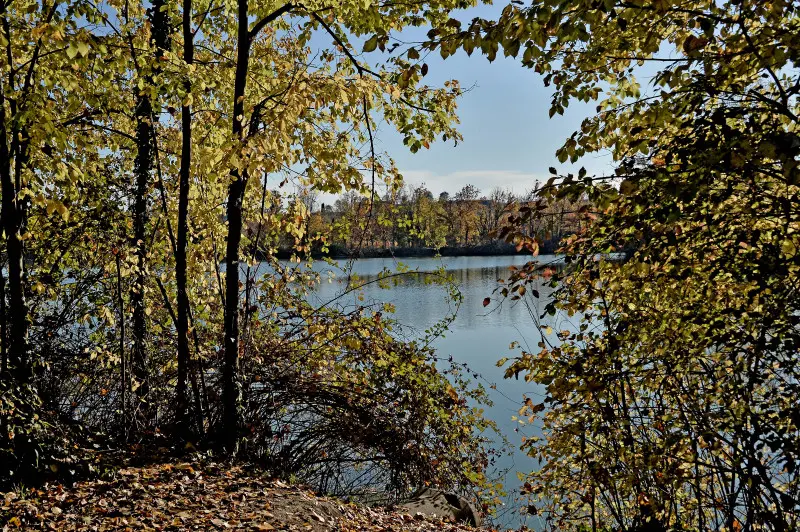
190,497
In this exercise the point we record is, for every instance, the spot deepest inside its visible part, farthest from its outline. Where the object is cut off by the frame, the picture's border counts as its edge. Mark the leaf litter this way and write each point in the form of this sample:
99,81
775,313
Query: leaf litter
190,496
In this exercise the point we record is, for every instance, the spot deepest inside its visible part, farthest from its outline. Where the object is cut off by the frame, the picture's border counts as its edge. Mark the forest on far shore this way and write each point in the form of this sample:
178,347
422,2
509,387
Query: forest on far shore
410,221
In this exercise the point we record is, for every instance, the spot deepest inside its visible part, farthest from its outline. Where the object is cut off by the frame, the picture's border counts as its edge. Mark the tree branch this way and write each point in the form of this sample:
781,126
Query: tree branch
258,26
361,69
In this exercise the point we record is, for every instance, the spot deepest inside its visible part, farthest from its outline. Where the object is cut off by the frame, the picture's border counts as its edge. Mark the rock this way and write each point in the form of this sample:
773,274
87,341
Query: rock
440,504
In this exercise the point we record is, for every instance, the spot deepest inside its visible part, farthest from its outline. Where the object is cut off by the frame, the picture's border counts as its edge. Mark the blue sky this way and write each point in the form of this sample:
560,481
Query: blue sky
509,141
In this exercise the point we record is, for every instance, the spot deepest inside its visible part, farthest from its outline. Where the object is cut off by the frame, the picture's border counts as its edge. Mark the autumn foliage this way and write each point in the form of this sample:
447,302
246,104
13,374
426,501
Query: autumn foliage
138,143
672,402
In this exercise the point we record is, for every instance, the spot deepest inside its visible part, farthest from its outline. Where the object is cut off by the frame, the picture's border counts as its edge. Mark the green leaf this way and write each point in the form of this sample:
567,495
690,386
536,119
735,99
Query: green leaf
371,44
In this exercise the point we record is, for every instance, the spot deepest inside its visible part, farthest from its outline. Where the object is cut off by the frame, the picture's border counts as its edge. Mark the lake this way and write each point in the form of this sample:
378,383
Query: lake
478,336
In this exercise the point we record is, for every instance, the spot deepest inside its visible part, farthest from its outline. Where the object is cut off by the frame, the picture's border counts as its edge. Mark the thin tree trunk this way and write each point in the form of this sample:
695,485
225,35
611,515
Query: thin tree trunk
196,371
122,356
3,326
18,352
231,393
230,375
143,166
145,134
183,230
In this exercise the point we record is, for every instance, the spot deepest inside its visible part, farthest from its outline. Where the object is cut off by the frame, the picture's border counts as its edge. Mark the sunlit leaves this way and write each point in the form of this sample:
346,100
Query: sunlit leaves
693,336
73,78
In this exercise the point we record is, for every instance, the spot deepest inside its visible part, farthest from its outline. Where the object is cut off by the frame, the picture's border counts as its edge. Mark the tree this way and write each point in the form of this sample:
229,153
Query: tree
117,128
349,207
494,209
428,229
184,308
21,92
679,413
252,152
465,201
146,110
38,136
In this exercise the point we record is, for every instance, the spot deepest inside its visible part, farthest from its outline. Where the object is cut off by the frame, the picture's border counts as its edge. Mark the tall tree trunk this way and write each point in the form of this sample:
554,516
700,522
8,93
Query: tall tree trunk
122,356
12,218
15,210
3,325
183,230
230,375
231,393
144,163
142,169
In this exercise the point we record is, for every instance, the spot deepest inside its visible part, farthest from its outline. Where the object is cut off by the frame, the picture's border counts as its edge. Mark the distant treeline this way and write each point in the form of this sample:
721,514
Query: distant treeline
412,222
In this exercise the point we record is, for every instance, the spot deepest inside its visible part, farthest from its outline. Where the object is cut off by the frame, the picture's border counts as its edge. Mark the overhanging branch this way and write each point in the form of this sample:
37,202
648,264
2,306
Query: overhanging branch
270,18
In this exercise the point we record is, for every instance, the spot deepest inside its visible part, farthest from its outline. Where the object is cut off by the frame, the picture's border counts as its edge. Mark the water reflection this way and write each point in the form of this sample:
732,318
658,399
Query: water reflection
478,336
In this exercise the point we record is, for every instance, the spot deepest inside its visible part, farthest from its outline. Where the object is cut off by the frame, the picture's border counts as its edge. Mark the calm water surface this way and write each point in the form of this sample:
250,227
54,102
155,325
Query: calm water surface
479,335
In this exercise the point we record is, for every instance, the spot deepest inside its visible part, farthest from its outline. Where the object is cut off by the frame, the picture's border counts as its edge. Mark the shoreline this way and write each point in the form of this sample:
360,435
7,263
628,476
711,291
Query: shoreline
479,250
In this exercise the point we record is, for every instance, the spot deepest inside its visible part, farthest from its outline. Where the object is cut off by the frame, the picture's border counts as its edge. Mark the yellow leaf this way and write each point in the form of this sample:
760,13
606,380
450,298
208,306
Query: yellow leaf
63,211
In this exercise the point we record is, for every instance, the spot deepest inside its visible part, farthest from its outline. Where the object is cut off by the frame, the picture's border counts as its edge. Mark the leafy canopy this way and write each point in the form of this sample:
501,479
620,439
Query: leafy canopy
672,403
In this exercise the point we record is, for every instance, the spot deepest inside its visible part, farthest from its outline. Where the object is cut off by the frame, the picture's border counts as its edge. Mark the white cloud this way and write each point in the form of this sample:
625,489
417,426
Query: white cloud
485,180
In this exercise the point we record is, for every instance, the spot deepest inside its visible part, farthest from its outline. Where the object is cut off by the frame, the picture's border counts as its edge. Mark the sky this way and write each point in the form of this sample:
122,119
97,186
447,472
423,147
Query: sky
509,141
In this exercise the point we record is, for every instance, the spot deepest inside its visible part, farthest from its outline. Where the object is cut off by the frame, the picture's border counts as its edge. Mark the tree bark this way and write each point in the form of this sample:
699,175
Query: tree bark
142,169
143,166
122,356
12,218
3,326
231,390
231,393
183,230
